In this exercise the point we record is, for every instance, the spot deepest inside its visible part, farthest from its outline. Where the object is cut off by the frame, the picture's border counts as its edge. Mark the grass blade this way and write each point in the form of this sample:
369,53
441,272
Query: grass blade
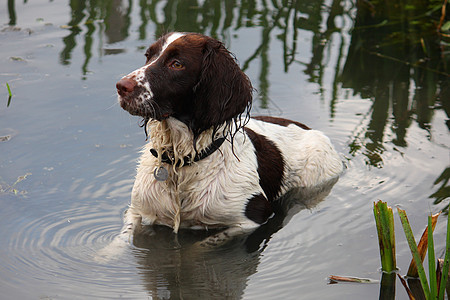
384,220
414,251
10,95
446,264
9,90
412,271
431,261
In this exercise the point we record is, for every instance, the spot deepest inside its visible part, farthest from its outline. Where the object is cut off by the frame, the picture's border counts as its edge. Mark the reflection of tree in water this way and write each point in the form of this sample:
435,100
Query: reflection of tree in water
443,191
396,60
12,13
108,17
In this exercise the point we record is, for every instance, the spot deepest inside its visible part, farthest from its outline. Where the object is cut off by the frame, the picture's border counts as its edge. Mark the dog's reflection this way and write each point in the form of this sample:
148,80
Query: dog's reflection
179,266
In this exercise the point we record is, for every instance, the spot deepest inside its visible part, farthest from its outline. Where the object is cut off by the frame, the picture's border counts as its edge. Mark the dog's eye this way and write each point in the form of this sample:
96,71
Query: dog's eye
176,65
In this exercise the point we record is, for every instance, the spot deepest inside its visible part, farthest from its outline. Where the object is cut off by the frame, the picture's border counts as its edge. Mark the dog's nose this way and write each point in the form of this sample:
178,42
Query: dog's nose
125,86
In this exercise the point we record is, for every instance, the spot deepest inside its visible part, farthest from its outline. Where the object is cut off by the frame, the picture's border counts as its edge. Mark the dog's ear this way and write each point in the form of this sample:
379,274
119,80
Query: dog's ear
223,92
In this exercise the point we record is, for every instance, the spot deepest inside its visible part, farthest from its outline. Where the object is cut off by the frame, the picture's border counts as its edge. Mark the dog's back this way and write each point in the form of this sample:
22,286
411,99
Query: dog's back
309,157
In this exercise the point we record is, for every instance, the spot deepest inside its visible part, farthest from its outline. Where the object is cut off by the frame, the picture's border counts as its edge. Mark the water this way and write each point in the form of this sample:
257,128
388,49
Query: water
384,106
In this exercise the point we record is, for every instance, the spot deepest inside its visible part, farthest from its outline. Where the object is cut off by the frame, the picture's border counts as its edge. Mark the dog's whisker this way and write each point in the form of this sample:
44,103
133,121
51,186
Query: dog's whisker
112,105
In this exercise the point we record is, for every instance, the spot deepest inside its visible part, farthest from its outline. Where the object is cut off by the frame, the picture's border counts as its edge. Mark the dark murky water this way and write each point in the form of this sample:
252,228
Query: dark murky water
374,79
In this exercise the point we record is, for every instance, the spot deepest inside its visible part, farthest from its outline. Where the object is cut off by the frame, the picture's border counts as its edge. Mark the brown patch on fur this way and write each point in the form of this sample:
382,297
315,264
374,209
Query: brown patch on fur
281,121
270,164
258,209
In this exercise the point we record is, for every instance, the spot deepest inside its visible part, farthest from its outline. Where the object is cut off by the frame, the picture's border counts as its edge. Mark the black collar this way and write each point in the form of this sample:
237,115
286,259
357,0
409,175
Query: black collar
188,159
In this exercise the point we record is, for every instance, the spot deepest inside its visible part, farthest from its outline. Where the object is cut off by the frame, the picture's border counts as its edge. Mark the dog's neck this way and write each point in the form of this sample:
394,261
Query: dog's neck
172,140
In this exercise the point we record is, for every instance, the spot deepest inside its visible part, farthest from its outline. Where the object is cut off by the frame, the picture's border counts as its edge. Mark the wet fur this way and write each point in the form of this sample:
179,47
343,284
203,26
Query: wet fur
185,110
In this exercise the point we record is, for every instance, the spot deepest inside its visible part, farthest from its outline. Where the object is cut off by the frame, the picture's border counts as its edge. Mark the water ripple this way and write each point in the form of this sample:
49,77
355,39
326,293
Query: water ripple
63,245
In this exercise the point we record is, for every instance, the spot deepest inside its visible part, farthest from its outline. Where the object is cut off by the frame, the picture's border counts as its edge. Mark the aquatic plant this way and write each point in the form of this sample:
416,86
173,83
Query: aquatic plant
10,95
384,219
434,286
6,188
438,275
431,288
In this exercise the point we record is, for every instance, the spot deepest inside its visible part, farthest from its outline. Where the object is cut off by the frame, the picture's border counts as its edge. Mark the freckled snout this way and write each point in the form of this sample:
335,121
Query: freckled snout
125,86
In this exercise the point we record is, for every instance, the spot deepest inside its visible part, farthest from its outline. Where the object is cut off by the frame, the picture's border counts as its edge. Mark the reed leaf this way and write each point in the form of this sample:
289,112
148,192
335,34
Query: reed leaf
445,268
412,270
10,95
414,251
384,220
9,89
431,261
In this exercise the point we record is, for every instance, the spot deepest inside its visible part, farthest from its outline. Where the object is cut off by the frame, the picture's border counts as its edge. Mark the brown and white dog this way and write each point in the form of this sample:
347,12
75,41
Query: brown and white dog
207,163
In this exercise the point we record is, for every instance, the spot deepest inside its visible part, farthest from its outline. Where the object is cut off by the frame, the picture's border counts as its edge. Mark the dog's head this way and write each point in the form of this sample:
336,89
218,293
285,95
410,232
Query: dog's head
190,77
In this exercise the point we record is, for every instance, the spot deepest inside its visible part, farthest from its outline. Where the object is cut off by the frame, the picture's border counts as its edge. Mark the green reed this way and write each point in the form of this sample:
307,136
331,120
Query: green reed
434,286
10,95
384,220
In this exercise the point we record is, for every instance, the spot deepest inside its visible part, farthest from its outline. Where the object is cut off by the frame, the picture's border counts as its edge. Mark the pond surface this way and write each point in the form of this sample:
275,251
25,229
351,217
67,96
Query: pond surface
375,79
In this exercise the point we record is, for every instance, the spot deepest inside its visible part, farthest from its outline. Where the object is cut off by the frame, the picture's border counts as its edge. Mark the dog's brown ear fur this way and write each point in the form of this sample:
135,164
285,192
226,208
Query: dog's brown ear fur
223,92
